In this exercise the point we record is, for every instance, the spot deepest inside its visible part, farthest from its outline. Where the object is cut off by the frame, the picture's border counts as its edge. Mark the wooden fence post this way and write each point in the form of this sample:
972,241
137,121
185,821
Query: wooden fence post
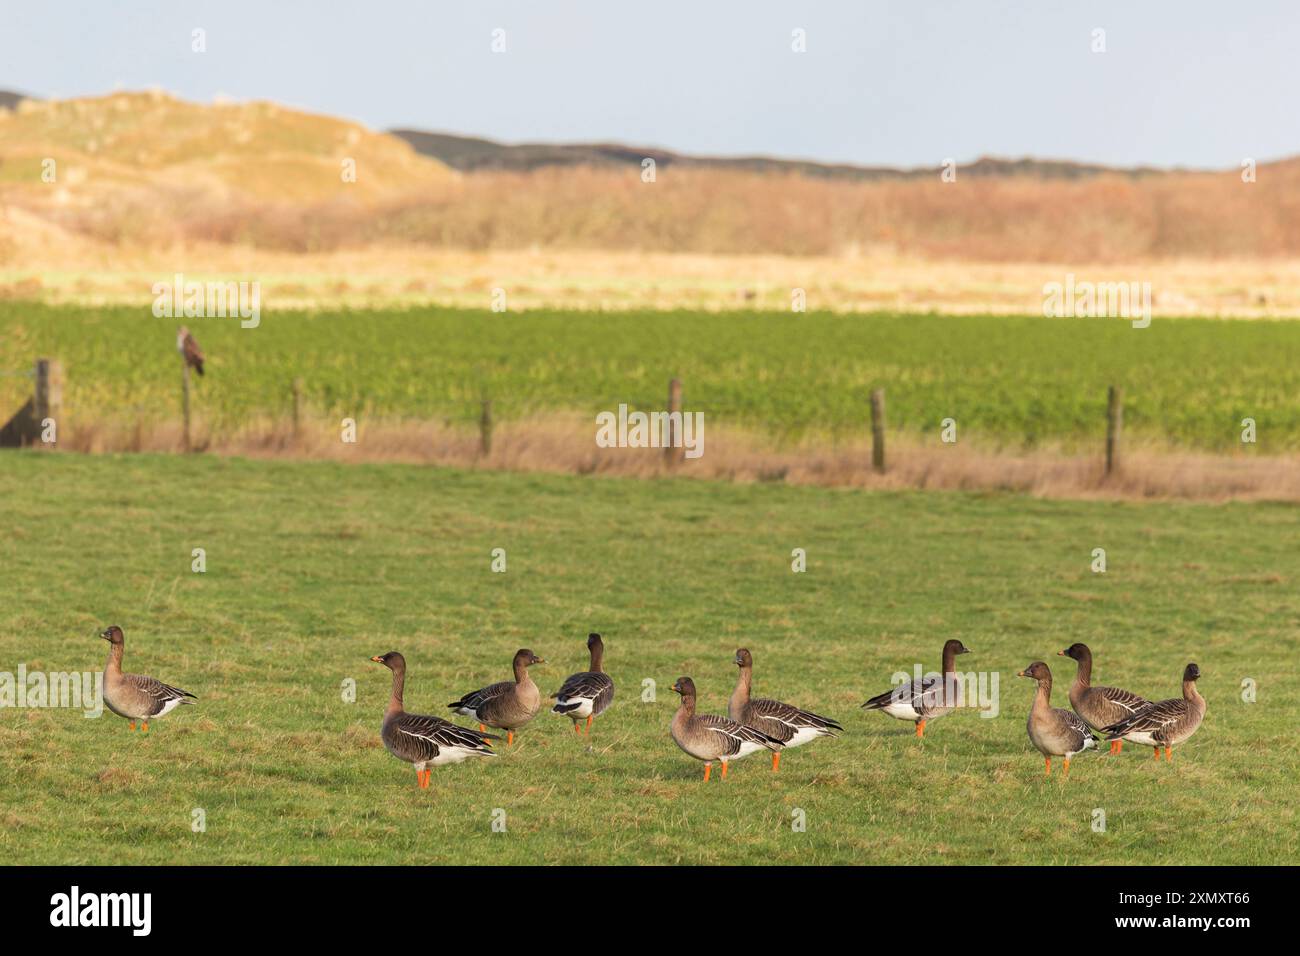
297,408
485,429
672,454
47,398
185,400
878,430
1114,424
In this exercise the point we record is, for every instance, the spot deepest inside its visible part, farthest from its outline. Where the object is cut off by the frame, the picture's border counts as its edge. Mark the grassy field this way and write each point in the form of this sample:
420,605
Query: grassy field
1025,381
314,567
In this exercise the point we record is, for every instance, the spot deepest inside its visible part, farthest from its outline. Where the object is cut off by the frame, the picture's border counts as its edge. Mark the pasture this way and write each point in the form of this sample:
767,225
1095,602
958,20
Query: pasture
1021,382
313,567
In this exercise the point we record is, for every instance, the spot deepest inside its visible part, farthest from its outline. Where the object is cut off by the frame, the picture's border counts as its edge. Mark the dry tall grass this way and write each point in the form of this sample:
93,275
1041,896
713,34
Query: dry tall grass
1105,219
566,444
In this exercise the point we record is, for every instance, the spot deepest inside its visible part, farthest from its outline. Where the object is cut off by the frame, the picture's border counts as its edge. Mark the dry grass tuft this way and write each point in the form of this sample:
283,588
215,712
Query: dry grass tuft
566,444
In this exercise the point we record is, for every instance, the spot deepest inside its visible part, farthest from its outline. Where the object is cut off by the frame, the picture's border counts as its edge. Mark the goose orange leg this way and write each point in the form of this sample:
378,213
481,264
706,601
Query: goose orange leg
776,760
920,728
590,717
510,738
708,769
132,725
1119,746
1169,753
1067,766
577,727
1156,754
1049,767
482,729
724,770
144,727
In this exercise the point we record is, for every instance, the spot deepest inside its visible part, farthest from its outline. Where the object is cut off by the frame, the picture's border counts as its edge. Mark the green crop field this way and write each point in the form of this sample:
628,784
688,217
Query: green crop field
1020,381
314,567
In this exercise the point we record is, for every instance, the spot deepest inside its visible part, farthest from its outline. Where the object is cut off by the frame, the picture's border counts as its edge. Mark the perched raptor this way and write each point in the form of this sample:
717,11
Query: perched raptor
189,349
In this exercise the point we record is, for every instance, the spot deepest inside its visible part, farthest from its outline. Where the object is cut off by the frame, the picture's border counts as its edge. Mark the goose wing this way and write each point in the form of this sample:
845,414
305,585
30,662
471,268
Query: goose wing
423,737
476,700
924,697
782,721
1154,719
1075,726
1125,699
908,693
734,734
157,694
594,686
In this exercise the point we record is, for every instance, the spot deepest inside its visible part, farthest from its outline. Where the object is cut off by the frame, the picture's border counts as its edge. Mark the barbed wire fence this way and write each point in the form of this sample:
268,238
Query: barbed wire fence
46,404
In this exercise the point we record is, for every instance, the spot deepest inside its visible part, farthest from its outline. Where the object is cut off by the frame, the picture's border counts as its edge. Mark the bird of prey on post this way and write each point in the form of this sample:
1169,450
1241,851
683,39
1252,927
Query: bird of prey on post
189,349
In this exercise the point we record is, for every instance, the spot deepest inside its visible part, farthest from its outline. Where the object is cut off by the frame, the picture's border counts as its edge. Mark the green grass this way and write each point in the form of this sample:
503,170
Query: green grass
314,567
1023,381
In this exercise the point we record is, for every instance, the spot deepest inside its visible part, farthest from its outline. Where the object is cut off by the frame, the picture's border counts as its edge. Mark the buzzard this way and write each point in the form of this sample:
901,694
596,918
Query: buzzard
189,349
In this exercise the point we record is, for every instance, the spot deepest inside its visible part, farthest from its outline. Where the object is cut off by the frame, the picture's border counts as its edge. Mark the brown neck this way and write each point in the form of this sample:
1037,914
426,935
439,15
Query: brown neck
1043,698
521,671
114,665
395,699
598,658
1191,693
688,705
740,696
1083,676
949,660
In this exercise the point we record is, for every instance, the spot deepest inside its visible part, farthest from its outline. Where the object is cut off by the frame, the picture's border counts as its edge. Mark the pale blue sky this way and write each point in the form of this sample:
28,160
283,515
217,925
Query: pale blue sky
902,83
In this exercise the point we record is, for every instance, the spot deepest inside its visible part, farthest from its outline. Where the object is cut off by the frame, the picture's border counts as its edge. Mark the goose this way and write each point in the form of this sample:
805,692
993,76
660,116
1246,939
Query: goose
588,693
711,737
421,740
507,705
1055,732
1165,723
135,696
1099,706
926,699
783,722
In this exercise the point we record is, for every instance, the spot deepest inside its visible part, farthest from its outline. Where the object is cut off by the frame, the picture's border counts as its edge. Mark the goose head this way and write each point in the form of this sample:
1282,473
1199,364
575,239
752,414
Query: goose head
1036,671
392,660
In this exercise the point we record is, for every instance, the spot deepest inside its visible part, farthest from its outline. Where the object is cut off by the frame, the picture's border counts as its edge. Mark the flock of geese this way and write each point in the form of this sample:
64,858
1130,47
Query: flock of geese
751,724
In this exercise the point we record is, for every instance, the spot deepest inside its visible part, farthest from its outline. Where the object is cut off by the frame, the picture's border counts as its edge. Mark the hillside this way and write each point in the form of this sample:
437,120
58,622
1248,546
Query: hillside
146,170
164,147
